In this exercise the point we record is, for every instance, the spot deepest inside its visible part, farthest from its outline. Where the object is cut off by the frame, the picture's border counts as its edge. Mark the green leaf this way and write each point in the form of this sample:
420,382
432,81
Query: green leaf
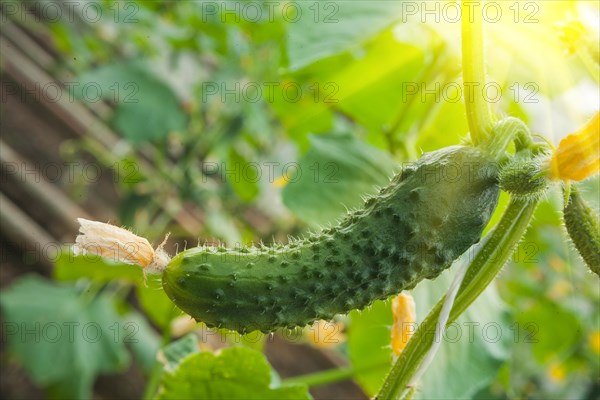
246,177
333,176
176,351
369,339
147,108
69,267
222,225
550,329
389,72
234,373
153,299
304,114
473,347
324,28
155,302
62,338
142,338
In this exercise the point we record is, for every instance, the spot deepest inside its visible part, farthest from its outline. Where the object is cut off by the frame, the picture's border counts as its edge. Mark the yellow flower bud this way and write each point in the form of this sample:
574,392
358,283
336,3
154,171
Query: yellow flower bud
403,309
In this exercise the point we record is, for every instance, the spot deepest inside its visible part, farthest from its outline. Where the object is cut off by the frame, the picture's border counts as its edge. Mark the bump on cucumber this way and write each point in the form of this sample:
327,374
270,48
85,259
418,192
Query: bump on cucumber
584,229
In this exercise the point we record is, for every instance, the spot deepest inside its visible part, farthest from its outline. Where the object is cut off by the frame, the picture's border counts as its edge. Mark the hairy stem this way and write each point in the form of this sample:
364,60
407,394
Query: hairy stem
495,251
505,132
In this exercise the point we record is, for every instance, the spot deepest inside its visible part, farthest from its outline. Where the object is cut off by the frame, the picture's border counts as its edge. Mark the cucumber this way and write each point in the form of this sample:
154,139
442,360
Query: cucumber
414,228
584,229
523,176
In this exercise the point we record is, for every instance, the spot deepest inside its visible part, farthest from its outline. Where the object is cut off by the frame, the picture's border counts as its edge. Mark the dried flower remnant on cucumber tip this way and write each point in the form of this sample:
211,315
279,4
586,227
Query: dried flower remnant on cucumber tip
119,245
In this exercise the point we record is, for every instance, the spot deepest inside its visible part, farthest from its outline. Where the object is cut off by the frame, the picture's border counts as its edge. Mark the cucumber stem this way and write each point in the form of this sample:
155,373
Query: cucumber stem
506,131
440,326
494,252
479,115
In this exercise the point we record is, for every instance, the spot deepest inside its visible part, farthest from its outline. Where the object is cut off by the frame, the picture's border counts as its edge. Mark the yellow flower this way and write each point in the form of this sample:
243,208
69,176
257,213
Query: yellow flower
594,340
557,372
281,181
403,309
578,155
572,34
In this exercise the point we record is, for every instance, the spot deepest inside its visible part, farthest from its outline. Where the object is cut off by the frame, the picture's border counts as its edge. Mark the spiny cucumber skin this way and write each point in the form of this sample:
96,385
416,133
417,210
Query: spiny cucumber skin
522,177
413,229
583,228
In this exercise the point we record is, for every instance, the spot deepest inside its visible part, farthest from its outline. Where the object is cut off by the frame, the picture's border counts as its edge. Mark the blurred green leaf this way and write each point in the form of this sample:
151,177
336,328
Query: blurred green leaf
369,347
147,108
176,351
222,225
245,178
473,348
550,329
234,373
69,267
142,339
324,28
377,100
155,302
333,176
303,113
153,299
445,126
64,338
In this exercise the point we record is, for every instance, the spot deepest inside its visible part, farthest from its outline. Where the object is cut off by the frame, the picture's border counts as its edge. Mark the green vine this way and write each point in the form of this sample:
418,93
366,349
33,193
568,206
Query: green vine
498,245
479,115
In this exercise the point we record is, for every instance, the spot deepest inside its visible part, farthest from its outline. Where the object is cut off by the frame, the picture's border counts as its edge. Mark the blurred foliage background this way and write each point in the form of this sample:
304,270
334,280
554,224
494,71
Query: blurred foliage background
240,121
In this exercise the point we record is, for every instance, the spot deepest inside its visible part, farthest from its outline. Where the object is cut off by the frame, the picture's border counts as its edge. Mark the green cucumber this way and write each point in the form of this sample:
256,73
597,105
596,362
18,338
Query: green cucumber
584,229
523,176
414,228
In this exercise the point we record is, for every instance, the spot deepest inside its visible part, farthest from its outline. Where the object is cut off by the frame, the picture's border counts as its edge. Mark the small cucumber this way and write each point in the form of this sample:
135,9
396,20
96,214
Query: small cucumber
414,228
583,228
523,176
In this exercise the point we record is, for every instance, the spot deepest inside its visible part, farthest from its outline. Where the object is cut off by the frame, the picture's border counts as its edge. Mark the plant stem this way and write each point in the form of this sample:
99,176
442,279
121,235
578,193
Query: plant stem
330,375
322,377
506,131
495,251
478,110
